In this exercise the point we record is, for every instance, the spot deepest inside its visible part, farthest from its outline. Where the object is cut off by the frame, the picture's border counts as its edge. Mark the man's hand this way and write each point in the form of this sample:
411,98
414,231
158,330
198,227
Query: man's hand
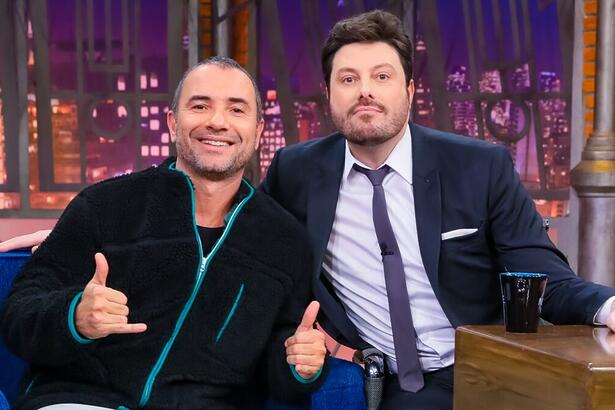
605,338
306,348
610,322
31,240
103,311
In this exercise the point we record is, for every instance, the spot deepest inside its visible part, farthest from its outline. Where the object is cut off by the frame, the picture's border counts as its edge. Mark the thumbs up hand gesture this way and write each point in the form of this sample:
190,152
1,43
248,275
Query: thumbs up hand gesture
103,311
306,348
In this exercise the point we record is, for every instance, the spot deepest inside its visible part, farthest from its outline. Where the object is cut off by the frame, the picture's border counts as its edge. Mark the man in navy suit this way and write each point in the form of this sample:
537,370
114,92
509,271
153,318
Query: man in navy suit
457,208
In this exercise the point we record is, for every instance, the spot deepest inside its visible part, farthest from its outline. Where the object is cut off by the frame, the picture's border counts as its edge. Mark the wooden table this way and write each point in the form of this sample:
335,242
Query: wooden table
560,367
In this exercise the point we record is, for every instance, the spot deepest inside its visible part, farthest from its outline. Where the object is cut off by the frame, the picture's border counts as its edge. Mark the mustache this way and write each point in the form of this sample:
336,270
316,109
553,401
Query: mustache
366,103
204,132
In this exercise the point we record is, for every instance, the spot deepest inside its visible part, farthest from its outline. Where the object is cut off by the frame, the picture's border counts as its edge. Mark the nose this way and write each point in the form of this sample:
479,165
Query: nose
217,120
366,91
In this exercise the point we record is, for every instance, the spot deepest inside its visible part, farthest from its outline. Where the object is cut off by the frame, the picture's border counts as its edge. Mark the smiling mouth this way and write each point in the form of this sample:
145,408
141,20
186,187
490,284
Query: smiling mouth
215,143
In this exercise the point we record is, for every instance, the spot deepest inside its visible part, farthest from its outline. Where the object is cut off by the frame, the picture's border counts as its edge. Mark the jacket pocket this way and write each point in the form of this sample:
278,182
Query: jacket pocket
467,240
458,233
230,314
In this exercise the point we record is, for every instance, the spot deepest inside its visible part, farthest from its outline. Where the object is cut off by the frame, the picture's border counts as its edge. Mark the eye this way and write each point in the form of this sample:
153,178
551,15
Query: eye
348,79
199,107
383,76
237,110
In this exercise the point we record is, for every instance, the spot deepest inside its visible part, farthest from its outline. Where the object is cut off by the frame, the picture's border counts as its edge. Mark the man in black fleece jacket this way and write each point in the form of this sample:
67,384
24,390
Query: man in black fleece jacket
179,286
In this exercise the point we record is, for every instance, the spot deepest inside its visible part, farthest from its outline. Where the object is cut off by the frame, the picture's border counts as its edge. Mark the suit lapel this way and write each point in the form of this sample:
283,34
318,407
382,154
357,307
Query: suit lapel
325,179
427,202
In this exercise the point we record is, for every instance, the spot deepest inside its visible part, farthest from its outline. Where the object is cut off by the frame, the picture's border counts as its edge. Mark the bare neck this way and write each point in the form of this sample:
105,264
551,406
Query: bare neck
213,199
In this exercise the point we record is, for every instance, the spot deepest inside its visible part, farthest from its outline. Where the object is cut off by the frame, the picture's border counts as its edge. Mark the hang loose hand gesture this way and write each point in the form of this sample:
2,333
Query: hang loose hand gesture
103,311
306,348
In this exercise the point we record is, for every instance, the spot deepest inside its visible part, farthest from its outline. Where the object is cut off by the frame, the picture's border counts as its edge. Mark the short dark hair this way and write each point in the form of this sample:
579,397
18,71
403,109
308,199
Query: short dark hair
224,62
376,25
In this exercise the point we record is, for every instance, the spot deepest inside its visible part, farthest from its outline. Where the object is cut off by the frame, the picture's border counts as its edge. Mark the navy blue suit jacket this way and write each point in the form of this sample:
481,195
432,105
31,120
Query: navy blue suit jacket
458,182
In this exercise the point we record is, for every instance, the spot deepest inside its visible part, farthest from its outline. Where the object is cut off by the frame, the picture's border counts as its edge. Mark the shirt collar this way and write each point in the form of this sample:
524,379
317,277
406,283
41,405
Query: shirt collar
400,159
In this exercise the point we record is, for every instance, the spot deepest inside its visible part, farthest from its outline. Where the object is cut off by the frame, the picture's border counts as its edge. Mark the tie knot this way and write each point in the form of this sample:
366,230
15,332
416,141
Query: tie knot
376,176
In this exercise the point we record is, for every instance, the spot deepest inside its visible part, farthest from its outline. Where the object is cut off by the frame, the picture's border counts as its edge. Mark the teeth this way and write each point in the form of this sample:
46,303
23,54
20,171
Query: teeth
216,143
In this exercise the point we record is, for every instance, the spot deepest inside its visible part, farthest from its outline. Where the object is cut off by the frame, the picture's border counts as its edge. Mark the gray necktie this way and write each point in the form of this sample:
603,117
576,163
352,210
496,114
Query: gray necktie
404,337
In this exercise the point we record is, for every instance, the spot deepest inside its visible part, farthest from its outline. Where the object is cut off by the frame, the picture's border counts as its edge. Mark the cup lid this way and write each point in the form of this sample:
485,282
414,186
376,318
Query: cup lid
524,274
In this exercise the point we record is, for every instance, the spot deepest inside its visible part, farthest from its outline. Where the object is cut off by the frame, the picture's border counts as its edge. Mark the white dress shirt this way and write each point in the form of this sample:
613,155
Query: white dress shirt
353,264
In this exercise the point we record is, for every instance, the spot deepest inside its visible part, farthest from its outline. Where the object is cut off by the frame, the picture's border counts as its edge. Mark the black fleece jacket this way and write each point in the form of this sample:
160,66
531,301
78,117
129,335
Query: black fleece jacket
216,327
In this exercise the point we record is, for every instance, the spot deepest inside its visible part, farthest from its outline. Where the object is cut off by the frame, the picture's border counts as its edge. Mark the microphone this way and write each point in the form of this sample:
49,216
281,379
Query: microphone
373,377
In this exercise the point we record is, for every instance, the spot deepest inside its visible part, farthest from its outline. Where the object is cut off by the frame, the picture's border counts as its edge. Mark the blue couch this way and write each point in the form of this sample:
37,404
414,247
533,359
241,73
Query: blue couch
12,367
343,388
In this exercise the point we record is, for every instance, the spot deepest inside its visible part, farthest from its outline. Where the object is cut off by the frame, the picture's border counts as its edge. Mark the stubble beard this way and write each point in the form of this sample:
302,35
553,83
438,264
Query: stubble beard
211,172
367,133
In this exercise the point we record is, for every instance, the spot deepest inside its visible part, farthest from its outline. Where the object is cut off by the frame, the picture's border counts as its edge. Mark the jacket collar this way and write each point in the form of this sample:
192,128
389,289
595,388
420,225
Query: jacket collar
245,188
325,176
427,200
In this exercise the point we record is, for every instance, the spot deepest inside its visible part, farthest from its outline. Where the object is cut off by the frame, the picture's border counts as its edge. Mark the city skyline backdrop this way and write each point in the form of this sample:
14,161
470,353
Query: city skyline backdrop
123,93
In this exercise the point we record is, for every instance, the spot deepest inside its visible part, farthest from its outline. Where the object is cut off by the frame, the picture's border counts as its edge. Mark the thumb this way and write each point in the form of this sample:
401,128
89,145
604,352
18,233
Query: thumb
102,270
309,317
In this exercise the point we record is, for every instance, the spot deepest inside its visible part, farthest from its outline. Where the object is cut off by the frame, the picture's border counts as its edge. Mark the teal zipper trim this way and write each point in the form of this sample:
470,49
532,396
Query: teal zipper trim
30,385
300,378
200,274
230,314
71,321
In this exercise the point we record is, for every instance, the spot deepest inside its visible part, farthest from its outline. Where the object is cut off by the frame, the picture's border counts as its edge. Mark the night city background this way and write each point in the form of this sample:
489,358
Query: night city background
497,74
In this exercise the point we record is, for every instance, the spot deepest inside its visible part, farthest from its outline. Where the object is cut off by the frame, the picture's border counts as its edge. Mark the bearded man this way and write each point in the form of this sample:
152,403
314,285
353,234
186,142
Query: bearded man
180,286
410,226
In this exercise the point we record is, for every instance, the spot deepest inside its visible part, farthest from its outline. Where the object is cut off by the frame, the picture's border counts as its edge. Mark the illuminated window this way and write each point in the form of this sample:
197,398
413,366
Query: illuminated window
84,118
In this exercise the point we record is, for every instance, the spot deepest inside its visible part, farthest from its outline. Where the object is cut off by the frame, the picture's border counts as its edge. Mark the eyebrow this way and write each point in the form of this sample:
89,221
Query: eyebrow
387,65
234,100
238,100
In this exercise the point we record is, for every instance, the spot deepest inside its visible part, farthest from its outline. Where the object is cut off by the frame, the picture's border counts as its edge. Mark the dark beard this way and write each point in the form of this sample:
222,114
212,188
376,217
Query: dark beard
371,135
366,137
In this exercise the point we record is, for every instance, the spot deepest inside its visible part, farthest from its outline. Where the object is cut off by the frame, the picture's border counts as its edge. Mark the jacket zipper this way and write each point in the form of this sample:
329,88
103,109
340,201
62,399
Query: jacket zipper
204,263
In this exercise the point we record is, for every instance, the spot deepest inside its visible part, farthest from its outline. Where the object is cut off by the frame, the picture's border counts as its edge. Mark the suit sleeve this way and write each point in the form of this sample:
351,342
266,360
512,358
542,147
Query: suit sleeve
270,182
523,245
284,383
36,318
